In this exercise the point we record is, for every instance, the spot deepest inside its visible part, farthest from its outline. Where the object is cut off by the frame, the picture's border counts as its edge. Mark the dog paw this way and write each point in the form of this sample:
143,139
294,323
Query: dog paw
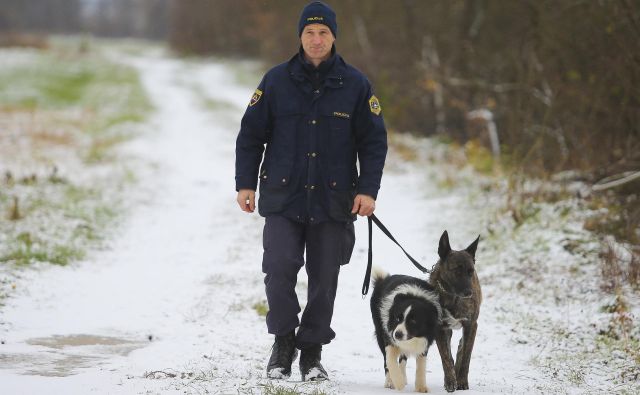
422,388
450,385
396,382
464,385
389,384
398,385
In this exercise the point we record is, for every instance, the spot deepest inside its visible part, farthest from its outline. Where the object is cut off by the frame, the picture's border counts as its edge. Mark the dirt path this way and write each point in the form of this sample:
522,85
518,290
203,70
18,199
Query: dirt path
168,307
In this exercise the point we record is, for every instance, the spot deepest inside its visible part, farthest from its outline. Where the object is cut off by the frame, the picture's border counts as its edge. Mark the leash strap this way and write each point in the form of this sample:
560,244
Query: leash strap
367,276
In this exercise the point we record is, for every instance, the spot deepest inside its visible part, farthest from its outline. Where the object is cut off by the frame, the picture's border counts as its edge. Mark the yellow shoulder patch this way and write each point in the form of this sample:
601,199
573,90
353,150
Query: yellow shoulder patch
256,97
374,105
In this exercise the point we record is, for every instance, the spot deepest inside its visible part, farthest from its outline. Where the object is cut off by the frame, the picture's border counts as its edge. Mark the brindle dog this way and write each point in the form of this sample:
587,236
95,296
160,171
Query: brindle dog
455,278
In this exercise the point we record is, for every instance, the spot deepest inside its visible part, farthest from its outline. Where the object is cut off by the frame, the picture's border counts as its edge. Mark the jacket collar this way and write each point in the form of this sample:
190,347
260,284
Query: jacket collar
334,67
323,68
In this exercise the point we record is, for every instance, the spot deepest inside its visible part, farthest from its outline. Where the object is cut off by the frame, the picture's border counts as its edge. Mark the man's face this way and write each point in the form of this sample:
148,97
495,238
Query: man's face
317,41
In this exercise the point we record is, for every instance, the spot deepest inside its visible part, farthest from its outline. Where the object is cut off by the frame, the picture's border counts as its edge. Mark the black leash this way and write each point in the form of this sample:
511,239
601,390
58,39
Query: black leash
367,276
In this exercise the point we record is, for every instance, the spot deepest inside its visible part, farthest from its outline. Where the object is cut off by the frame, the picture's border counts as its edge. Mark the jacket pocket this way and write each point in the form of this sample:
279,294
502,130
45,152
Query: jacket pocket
342,191
274,191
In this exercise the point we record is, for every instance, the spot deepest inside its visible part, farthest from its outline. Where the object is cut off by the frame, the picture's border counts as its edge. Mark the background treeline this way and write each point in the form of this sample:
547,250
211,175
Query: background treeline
561,78
56,16
109,18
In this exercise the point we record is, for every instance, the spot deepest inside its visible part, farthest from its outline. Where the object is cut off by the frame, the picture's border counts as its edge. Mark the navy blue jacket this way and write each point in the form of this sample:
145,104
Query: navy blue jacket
313,136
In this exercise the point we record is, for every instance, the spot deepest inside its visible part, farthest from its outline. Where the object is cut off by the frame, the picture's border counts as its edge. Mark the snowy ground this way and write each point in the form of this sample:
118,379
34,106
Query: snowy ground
168,308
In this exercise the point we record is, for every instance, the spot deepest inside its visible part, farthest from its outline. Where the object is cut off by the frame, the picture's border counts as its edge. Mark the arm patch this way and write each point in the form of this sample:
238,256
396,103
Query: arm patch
374,105
256,97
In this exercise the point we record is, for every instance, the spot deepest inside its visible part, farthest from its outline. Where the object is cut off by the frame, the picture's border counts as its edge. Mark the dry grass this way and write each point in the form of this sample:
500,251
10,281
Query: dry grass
101,147
634,267
404,150
23,40
14,213
38,137
46,138
619,266
610,268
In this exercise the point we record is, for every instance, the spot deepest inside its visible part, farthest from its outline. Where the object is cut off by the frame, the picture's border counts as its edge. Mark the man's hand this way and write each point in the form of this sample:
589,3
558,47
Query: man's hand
247,200
363,205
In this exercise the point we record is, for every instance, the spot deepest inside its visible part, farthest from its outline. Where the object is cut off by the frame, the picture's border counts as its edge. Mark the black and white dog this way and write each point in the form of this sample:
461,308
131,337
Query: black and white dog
407,316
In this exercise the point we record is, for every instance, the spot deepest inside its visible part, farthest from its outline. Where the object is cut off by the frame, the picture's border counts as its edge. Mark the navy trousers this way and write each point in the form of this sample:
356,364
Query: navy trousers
328,245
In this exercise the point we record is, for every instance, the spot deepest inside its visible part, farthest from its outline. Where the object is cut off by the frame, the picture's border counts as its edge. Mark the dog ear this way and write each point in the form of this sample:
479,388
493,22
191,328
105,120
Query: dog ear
444,248
473,246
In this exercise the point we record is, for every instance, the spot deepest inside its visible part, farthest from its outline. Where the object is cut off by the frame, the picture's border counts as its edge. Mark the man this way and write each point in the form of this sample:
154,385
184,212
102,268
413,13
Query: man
316,115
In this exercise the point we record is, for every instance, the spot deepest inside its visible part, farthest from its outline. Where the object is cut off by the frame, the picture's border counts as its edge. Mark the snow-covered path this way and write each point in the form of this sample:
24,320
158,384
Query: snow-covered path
168,308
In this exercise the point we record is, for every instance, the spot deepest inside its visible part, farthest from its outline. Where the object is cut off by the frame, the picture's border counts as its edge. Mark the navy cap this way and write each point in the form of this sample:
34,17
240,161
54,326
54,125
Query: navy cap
318,12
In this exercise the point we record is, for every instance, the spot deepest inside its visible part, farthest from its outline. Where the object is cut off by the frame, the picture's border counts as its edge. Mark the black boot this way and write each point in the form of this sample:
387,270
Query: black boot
310,366
283,353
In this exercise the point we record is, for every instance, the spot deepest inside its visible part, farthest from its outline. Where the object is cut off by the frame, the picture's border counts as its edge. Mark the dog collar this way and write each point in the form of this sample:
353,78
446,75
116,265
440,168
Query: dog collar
455,295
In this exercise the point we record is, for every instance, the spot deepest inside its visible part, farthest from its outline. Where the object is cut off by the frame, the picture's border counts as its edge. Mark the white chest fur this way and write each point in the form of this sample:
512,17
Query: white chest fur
412,347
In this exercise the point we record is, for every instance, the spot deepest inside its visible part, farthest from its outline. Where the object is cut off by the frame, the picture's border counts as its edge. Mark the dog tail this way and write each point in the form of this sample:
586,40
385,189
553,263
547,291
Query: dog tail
378,274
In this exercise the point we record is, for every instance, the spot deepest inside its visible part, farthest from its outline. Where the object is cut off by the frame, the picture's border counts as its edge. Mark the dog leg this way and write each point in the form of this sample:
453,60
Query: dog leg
393,354
443,340
387,381
463,358
421,374
403,368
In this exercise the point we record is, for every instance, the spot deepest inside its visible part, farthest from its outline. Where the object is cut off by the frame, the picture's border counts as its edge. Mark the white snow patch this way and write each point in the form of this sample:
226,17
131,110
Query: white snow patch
277,373
314,374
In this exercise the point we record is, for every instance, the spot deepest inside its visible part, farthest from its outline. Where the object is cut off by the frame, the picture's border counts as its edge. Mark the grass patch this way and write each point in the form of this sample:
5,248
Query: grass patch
101,148
261,307
66,109
54,81
76,90
218,105
273,389
479,157
617,347
575,376
25,250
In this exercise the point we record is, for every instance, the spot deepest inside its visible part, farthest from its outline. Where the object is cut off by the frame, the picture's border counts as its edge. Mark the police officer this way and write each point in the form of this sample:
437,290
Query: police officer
317,116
